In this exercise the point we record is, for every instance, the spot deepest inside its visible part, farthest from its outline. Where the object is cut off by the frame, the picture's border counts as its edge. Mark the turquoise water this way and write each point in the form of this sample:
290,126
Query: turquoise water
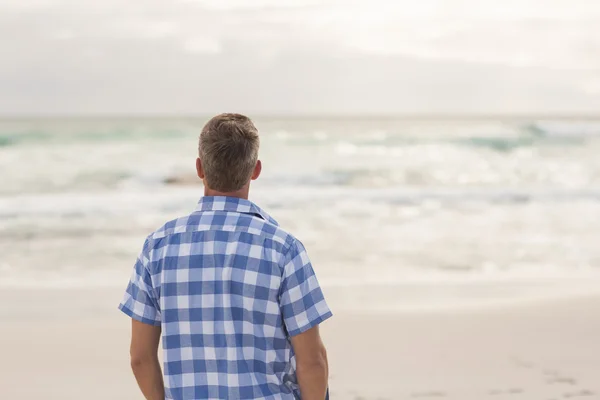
375,201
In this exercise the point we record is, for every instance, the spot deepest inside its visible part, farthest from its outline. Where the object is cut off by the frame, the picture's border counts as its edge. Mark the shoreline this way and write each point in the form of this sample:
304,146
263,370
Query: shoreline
367,298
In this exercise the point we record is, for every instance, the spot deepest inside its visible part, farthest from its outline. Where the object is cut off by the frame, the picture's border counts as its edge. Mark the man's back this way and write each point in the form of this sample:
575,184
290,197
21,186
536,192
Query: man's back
229,288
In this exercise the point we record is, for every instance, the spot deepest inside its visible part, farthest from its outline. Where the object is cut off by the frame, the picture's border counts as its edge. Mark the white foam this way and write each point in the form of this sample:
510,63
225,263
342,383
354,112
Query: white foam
440,211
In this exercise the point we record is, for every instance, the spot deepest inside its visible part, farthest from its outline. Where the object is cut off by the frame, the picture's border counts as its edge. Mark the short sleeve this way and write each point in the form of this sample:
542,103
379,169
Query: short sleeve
301,299
139,301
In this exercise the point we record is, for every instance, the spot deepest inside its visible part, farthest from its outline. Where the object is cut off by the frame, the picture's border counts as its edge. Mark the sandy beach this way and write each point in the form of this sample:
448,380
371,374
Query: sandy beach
460,257
73,344
438,160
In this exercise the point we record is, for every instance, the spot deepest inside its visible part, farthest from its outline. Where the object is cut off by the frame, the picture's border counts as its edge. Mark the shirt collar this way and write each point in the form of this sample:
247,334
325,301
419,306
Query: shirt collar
232,204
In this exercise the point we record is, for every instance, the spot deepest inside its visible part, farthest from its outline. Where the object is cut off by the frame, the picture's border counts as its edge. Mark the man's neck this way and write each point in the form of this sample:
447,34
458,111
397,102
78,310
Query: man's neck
240,194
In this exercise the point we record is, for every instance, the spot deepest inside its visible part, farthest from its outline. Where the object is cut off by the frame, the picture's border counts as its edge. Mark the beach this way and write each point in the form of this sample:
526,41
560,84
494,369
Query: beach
438,160
460,257
73,344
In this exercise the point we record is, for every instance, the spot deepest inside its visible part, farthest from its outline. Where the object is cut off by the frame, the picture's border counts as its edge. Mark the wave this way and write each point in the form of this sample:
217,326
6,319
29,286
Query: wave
13,139
499,144
67,206
527,136
6,141
563,129
88,136
497,135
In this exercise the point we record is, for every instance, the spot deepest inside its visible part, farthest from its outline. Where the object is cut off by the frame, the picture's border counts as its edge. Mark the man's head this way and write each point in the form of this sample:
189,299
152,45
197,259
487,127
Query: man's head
228,154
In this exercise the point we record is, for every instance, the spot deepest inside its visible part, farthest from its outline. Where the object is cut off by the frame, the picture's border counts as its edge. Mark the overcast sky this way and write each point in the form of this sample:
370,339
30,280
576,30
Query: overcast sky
299,57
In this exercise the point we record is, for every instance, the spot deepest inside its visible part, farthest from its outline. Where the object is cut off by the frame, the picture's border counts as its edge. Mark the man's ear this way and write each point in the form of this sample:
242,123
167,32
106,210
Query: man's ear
257,170
199,169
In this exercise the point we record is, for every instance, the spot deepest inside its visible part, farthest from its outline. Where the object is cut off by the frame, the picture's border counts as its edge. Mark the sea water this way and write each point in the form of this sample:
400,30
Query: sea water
416,209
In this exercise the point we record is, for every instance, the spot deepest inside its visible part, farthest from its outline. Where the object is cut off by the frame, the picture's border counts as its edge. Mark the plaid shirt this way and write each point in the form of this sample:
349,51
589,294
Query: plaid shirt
229,288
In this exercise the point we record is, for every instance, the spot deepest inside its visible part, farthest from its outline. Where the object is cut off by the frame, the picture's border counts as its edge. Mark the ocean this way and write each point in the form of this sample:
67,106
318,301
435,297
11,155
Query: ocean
414,209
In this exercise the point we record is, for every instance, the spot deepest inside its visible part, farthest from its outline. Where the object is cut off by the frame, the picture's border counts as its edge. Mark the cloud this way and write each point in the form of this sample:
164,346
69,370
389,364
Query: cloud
229,5
202,44
64,34
147,28
592,87
298,56
557,35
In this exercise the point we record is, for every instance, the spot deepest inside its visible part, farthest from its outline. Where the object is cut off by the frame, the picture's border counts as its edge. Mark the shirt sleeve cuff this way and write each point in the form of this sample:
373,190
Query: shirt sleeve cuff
311,324
126,310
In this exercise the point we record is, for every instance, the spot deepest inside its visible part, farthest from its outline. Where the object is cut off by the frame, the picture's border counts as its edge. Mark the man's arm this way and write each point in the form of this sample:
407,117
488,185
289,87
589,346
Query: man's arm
303,308
144,359
312,369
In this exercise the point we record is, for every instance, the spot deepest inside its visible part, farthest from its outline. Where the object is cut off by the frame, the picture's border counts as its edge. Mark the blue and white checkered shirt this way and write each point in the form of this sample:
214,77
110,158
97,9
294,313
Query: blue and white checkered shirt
229,288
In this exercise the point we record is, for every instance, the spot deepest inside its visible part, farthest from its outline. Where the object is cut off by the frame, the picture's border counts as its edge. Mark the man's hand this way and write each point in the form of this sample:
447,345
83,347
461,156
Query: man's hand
311,364
144,359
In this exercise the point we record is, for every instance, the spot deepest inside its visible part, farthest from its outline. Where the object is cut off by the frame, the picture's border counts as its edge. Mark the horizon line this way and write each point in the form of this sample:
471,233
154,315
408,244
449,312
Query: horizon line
316,116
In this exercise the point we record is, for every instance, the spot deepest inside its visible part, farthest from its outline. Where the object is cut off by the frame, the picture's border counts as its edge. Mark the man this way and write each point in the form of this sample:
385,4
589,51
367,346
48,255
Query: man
234,296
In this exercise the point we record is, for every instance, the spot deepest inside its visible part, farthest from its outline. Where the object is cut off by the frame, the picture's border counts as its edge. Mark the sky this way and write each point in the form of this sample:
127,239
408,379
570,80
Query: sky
62,57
